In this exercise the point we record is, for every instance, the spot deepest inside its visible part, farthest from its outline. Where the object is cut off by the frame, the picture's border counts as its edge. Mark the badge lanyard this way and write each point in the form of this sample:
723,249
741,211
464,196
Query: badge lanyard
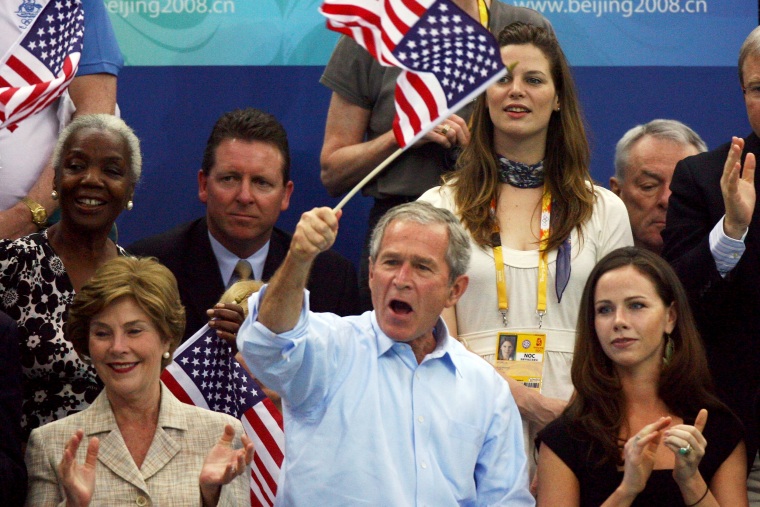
483,12
543,262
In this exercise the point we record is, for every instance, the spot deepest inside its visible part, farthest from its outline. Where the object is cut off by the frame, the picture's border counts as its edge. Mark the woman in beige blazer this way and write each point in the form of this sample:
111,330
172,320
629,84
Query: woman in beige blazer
145,446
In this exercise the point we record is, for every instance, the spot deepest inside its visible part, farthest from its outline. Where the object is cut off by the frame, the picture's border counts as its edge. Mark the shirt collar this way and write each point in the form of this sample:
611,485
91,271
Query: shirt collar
100,417
445,349
227,260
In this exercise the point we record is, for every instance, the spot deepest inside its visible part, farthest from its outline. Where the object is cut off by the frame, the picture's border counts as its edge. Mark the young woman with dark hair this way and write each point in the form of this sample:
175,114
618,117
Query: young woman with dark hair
636,432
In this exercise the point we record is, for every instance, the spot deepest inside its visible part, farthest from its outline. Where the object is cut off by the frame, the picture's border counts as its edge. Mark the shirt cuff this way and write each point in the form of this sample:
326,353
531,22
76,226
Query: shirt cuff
287,341
725,251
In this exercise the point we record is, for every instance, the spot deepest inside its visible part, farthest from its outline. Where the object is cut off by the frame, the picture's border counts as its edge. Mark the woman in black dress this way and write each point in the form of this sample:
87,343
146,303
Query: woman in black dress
636,431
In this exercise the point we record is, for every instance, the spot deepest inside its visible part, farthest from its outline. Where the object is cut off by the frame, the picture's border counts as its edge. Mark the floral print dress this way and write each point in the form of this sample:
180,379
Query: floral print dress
36,292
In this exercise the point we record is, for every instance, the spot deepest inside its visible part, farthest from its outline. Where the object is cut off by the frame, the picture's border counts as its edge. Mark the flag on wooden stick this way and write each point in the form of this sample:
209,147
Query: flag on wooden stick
448,57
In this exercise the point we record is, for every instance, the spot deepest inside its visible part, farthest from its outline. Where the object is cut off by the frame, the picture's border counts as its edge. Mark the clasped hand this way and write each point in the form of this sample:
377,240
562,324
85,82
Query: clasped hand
452,131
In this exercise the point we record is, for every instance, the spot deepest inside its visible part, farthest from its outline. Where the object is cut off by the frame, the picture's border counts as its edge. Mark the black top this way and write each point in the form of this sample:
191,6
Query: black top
723,433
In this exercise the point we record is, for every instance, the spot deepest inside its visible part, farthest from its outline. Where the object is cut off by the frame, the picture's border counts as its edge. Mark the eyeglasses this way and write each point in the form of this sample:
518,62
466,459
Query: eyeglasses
752,91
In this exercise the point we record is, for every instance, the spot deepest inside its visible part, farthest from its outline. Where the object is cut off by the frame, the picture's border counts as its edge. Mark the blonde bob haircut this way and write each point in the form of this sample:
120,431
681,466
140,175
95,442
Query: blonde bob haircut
151,285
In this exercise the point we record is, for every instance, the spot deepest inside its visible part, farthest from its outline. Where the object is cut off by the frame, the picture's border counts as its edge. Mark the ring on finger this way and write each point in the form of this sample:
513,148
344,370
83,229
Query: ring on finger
445,130
685,451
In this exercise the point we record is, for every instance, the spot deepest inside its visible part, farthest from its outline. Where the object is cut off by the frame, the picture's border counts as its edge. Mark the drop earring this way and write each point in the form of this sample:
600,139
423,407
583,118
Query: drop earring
669,348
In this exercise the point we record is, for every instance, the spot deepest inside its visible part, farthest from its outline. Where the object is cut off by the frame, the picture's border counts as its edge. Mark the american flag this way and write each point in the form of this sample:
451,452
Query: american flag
447,56
43,62
205,373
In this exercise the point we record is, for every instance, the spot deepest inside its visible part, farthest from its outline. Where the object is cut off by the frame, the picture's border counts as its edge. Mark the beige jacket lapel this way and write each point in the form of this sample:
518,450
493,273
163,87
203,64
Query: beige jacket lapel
171,418
113,452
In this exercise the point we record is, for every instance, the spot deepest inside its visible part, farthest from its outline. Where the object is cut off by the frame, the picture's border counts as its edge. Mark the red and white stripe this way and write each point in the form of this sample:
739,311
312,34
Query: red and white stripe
262,423
376,25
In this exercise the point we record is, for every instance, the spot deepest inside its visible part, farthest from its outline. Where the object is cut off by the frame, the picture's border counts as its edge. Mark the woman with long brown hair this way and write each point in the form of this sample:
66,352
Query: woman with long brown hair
637,430
537,222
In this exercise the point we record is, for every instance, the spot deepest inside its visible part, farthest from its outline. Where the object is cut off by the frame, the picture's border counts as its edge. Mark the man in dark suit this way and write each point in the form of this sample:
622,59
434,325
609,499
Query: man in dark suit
712,238
12,469
245,183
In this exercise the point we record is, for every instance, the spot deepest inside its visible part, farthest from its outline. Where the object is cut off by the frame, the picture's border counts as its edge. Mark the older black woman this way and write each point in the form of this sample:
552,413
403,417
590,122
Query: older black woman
144,447
97,164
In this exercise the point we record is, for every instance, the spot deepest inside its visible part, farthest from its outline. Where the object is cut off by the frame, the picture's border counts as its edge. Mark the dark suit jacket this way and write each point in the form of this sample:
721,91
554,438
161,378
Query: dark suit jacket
186,251
727,309
12,469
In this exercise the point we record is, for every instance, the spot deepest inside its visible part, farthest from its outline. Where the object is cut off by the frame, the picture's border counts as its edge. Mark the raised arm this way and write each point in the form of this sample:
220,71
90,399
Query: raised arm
347,158
737,185
281,306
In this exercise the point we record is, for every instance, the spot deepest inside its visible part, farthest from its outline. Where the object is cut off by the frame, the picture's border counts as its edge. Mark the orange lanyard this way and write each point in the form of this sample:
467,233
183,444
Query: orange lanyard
543,262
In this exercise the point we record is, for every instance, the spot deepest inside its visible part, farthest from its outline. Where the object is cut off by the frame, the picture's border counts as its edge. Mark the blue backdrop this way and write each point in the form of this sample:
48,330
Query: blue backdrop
173,108
634,60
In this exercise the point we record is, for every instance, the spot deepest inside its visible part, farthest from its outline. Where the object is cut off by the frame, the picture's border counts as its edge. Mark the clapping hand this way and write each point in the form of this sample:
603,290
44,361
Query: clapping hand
639,455
78,481
737,184
223,464
688,444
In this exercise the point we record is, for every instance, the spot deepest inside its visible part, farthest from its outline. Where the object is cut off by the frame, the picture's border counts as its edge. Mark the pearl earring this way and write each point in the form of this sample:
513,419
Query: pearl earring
54,195
130,205
166,355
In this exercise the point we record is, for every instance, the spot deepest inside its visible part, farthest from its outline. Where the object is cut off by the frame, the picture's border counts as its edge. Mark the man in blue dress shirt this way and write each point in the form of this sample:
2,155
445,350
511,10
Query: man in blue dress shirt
385,408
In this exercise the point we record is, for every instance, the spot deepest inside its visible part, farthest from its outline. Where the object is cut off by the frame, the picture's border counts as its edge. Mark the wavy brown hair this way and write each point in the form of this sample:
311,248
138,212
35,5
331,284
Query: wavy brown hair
597,408
567,176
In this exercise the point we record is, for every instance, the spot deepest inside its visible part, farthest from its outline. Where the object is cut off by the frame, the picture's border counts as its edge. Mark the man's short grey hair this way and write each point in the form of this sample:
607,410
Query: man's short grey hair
750,47
105,123
424,213
669,130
